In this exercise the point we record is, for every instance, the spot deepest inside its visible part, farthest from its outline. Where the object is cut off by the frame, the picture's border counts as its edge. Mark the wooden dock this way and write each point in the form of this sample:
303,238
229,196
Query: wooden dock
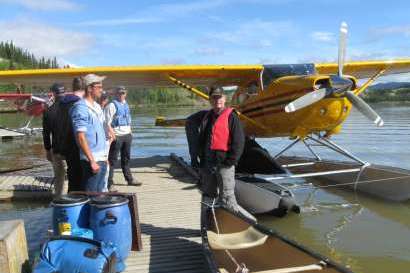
20,187
9,134
169,210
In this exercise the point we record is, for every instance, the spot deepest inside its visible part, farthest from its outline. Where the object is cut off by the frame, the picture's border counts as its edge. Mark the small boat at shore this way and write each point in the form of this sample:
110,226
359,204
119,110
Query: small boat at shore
232,245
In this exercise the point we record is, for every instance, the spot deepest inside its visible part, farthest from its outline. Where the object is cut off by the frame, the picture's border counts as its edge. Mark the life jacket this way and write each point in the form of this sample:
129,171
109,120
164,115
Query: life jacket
122,115
220,131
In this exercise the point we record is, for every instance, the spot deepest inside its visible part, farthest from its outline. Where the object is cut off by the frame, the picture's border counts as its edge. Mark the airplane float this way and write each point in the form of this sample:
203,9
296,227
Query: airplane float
306,102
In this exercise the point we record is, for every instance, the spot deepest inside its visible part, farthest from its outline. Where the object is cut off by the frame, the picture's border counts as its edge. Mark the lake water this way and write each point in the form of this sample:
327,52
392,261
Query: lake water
370,235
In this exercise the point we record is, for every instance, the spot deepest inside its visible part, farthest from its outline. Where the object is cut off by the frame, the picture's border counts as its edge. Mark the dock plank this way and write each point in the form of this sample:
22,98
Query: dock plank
170,219
169,212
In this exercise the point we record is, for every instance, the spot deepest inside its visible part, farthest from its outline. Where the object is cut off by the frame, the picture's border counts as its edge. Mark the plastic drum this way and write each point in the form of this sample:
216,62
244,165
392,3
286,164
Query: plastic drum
110,221
70,212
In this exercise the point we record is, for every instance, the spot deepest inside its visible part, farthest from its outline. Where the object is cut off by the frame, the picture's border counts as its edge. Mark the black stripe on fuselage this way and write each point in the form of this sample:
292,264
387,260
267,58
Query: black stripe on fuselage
264,107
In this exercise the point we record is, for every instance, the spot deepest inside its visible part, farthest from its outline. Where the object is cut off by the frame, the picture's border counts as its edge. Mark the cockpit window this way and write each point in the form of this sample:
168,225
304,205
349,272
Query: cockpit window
252,88
274,71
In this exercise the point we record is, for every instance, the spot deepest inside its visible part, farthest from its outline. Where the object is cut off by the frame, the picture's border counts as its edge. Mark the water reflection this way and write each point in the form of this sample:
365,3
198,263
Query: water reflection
371,235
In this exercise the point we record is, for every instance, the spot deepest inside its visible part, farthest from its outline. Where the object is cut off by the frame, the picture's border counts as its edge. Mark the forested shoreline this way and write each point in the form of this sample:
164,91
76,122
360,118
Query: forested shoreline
13,57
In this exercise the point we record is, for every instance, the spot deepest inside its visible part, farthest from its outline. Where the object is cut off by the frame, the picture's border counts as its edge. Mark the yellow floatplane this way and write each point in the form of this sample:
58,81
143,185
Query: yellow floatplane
306,102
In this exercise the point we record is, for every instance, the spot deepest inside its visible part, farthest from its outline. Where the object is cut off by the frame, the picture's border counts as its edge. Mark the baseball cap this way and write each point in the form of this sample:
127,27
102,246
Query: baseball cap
120,89
216,91
104,95
92,78
58,88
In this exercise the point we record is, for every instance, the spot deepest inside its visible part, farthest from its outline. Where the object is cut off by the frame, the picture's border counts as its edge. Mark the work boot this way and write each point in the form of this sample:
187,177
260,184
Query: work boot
134,183
235,208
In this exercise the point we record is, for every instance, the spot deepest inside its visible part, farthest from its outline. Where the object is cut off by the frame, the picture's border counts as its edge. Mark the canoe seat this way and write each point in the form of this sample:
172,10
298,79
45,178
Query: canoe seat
247,238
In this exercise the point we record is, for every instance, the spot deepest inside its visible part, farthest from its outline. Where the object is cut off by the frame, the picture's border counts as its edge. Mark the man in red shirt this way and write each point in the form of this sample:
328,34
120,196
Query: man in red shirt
221,143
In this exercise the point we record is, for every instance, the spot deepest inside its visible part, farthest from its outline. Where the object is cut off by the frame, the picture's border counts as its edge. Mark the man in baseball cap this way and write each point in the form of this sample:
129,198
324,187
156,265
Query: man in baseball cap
221,142
51,138
58,89
118,118
216,91
91,134
90,79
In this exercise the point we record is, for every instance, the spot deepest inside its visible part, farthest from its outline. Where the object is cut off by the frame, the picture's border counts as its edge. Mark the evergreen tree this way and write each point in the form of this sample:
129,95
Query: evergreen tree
19,58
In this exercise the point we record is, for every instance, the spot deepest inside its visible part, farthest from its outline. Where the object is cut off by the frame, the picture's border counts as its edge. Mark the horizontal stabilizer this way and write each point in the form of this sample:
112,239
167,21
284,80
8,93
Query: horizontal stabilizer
161,121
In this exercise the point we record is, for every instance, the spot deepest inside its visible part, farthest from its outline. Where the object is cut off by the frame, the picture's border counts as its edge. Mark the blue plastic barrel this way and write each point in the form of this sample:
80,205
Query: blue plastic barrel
110,221
70,212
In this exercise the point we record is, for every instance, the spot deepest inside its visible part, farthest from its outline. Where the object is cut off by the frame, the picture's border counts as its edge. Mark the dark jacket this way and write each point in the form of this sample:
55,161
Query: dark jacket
192,124
236,141
50,117
64,128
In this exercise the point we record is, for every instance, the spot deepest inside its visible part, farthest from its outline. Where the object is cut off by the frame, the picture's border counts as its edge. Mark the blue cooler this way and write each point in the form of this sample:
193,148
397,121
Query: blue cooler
110,221
66,254
83,233
70,212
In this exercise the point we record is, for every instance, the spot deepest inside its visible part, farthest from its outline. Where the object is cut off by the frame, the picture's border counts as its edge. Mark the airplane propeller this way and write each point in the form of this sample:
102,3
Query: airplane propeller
364,108
306,100
340,87
342,48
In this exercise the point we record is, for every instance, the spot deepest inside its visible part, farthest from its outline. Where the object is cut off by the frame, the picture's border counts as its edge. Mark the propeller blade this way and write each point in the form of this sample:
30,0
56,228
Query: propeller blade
364,108
342,48
306,100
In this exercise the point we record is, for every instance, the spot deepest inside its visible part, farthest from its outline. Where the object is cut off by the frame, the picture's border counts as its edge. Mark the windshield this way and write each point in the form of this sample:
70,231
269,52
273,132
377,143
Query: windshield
274,71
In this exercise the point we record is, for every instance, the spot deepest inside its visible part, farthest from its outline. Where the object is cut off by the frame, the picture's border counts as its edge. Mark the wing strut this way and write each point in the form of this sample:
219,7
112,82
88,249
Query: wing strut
370,81
189,88
205,96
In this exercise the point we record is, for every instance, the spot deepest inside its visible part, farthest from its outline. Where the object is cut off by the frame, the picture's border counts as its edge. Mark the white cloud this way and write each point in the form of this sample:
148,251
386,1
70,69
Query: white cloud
45,40
44,5
254,33
378,34
405,30
172,61
120,22
159,13
323,36
360,54
62,62
405,77
209,51
165,12
185,8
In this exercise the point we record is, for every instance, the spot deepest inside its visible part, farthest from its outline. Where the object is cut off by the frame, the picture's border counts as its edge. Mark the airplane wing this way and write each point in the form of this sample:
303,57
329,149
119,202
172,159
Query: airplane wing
140,76
366,69
195,75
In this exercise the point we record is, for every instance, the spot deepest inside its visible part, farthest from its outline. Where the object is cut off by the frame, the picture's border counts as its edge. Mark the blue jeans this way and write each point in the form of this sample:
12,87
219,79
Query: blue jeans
94,182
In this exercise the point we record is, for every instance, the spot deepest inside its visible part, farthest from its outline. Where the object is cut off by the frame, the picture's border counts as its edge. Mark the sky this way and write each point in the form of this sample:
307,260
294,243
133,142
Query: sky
105,33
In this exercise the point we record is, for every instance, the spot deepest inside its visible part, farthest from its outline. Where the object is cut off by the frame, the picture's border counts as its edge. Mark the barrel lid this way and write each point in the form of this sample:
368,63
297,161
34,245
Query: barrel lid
70,199
104,201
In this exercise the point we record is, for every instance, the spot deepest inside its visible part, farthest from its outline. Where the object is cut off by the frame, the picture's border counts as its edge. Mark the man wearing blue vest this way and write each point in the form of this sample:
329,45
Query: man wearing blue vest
118,117
91,134
221,143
